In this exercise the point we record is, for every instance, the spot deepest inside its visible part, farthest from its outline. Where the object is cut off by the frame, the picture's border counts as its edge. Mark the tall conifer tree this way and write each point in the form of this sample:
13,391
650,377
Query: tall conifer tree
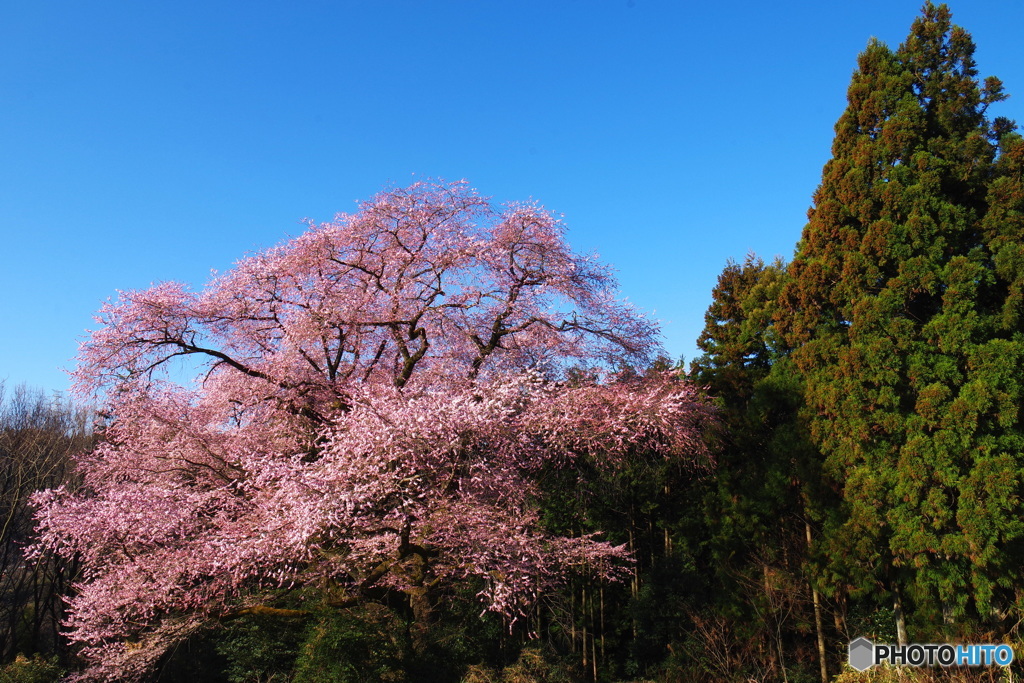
757,519
748,493
904,309
737,339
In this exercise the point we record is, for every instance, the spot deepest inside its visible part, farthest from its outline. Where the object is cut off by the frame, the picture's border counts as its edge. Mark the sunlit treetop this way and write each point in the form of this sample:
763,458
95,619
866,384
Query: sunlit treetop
423,283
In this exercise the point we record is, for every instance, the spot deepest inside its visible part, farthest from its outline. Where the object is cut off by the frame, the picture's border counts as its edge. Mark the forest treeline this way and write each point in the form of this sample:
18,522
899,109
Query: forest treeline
39,436
864,475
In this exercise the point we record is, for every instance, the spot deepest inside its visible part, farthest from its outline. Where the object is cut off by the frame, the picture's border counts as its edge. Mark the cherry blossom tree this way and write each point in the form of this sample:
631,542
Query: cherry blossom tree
373,398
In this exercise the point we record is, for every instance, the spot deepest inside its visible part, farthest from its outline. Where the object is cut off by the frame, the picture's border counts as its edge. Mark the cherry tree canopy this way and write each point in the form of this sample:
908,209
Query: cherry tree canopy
374,395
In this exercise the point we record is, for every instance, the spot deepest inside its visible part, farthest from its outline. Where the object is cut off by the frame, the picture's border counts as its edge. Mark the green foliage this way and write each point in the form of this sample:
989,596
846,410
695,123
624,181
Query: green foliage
871,388
260,648
739,341
755,511
374,642
902,309
536,664
356,648
371,642
755,477
38,669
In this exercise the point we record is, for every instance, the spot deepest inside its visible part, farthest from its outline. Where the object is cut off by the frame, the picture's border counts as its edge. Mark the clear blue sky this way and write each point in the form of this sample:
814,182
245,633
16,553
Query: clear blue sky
157,140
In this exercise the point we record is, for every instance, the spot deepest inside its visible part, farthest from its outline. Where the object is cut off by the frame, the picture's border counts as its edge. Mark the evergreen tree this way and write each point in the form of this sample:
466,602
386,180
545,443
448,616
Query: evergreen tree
903,309
740,348
737,340
756,519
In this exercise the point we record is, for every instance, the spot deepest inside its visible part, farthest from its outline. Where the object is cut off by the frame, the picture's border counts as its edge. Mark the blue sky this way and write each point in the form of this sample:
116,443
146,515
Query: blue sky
152,141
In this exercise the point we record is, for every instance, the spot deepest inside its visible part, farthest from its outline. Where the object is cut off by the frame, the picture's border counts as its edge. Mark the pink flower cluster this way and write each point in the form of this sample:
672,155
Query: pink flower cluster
374,397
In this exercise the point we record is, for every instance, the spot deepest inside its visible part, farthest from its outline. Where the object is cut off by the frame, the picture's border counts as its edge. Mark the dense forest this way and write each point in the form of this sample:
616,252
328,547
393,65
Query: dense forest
428,445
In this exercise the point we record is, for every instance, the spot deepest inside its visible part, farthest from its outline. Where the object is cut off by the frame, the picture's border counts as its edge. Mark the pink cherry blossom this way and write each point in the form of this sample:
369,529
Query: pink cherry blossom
374,397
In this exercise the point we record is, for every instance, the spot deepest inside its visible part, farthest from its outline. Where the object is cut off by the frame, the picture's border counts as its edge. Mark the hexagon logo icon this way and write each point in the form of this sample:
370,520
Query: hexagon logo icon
862,654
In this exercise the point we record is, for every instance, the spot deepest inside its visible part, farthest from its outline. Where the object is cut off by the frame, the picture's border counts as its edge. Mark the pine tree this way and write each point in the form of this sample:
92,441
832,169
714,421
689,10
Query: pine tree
903,308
